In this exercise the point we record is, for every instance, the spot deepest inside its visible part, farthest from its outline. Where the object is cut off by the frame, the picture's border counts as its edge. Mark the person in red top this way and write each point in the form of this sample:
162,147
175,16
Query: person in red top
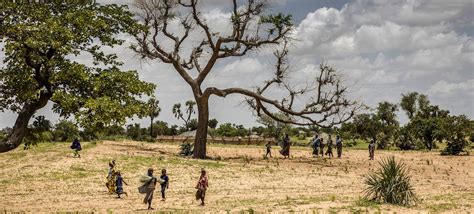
201,187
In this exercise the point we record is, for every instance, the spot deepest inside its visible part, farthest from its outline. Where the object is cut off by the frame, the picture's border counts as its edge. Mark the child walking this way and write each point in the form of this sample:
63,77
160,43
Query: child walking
119,184
76,146
269,149
164,184
202,186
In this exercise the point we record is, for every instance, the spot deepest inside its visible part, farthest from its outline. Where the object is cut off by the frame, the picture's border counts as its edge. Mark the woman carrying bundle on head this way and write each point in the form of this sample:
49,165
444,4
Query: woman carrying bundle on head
148,187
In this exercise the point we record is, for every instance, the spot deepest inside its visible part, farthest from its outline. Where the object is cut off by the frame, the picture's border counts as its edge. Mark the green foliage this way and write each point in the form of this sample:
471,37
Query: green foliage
42,124
39,131
275,128
459,129
192,125
212,123
135,132
179,114
186,149
153,112
39,59
278,22
390,184
426,125
231,130
161,128
65,130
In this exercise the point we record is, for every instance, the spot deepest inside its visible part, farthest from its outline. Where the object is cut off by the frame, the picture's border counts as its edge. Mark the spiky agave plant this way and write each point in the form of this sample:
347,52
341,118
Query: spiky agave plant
390,184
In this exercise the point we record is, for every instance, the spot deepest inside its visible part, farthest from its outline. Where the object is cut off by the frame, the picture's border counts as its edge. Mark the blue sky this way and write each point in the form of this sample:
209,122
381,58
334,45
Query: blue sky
383,48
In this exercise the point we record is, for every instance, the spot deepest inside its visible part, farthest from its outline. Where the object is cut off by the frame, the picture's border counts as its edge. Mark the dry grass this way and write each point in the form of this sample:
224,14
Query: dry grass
47,179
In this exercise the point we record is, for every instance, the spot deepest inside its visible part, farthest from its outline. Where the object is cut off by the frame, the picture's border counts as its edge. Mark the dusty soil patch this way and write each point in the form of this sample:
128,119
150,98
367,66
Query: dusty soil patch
47,179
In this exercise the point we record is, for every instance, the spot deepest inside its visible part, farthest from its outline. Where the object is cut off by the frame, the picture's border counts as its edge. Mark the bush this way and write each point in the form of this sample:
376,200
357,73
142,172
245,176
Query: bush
186,149
459,129
65,131
390,184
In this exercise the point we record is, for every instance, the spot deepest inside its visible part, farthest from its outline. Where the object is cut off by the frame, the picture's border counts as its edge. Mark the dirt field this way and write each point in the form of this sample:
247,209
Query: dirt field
47,179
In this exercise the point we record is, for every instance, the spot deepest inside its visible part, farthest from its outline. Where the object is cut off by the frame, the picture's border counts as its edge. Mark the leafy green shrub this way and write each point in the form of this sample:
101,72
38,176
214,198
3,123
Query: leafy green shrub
459,128
390,184
186,149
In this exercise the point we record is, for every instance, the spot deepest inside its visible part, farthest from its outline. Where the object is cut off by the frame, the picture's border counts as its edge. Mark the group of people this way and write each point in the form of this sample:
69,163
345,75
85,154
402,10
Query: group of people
115,183
318,145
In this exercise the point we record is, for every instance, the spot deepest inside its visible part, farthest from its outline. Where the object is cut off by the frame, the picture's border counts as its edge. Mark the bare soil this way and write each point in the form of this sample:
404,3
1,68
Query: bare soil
48,179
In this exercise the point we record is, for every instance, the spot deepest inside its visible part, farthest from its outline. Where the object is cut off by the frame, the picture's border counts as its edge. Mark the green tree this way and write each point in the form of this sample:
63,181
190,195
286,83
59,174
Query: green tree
41,41
38,131
153,112
459,128
65,130
426,122
213,123
186,115
387,119
42,124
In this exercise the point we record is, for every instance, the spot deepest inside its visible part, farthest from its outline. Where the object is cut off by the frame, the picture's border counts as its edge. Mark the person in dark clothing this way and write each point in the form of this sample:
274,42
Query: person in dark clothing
321,147
76,146
119,184
164,184
316,143
371,149
268,146
329,150
339,146
285,151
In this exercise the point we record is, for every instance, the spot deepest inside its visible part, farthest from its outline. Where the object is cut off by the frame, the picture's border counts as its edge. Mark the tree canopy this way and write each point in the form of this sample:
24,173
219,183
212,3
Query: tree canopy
42,44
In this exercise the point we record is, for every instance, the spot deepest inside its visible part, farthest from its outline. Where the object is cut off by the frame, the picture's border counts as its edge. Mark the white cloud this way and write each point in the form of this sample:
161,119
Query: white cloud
384,47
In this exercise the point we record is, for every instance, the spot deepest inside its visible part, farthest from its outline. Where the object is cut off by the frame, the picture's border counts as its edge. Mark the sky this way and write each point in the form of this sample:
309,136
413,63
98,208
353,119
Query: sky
383,48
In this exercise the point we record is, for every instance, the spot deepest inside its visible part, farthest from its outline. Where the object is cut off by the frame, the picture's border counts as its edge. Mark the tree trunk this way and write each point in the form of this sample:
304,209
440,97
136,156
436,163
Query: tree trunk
201,132
20,128
151,127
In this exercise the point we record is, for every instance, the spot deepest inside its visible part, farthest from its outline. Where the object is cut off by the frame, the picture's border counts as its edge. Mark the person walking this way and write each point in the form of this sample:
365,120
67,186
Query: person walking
148,187
202,185
371,149
329,150
339,146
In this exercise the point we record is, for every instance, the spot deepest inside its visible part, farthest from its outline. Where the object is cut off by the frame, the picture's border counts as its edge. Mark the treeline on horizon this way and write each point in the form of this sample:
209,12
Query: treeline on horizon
428,126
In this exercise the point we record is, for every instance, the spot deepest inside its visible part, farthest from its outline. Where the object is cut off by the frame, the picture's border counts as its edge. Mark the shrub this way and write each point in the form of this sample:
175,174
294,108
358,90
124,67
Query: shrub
459,129
390,184
186,149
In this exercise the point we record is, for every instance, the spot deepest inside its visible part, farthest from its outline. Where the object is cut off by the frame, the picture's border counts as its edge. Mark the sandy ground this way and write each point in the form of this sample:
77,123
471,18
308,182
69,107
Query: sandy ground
47,179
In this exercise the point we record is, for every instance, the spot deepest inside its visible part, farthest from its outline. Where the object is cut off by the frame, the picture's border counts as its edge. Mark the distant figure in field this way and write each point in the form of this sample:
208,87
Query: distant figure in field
201,187
120,183
371,149
111,177
285,151
329,151
76,146
268,146
148,187
339,146
315,143
321,147
164,184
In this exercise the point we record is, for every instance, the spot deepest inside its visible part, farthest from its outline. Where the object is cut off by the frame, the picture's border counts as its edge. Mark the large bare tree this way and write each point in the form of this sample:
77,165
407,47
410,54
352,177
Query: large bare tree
325,103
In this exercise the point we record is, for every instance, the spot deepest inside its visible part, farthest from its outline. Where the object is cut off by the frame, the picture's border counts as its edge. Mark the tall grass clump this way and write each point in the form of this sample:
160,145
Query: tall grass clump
390,184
